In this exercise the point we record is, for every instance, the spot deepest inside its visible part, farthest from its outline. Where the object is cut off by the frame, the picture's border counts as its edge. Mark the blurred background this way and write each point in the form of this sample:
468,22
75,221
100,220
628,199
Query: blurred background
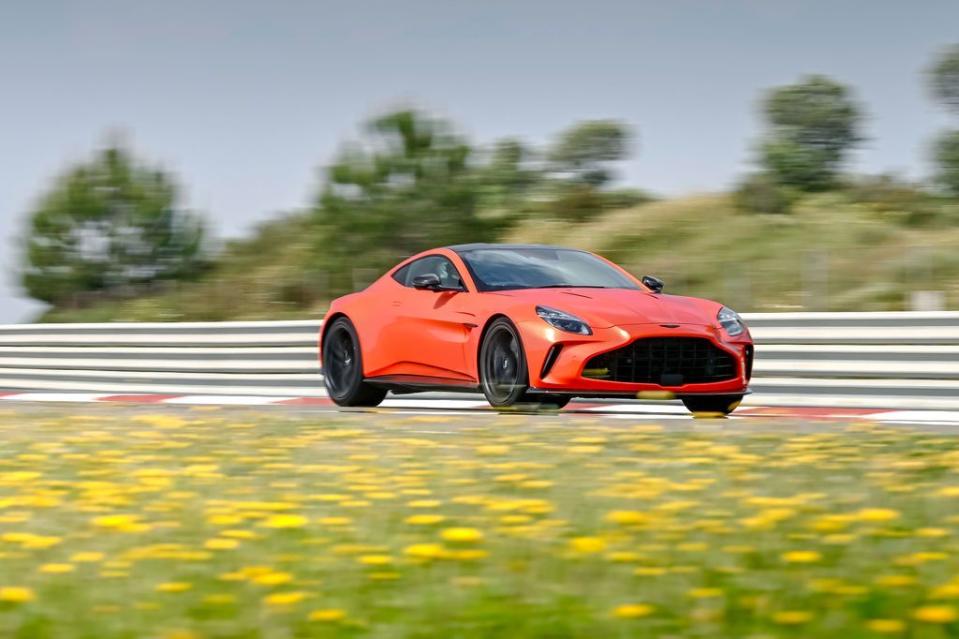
183,161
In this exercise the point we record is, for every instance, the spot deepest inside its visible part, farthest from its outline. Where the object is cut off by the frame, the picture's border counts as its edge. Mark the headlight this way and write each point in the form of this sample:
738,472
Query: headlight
730,321
563,321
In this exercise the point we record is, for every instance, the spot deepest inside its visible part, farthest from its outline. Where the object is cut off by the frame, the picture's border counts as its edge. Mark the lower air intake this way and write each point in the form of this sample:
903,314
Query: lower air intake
667,361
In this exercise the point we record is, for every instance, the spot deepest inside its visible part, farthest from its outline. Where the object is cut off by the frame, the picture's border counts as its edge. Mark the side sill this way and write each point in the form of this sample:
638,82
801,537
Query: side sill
418,384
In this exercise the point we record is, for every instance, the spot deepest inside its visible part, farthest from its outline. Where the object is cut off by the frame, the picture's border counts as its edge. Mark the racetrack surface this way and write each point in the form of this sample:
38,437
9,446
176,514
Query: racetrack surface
458,404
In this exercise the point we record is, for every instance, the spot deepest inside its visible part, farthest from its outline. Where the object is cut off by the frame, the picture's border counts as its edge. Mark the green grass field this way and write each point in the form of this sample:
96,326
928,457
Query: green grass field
228,523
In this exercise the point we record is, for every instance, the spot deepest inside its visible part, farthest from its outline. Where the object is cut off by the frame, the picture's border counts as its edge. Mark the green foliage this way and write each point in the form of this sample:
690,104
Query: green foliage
410,187
699,245
897,200
946,156
795,165
944,78
813,124
580,167
625,198
106,224
702,246
507,181
583,152
573,202
760,193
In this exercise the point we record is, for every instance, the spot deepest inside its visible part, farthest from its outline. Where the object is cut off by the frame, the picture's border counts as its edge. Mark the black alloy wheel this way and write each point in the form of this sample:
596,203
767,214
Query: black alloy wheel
504,376
343,367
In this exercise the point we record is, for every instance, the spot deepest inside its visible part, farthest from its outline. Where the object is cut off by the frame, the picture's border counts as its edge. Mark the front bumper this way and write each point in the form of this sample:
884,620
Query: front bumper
565,374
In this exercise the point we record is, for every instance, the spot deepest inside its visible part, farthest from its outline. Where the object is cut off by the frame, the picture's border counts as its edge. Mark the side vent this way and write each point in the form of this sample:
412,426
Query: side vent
551,356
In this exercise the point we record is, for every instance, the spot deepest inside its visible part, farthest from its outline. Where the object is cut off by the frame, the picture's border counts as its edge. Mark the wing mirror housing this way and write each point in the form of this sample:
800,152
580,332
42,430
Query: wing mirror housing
431,282
653,283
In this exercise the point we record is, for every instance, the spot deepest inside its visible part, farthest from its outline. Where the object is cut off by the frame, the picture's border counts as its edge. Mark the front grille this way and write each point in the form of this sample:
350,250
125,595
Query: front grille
667,361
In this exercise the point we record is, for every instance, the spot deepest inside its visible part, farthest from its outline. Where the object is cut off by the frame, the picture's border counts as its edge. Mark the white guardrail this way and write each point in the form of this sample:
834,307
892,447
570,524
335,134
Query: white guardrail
882,360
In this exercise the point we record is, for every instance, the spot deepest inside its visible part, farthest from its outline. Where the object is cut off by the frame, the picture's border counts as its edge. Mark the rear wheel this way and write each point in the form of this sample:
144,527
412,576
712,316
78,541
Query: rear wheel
712,405
343,367
504,377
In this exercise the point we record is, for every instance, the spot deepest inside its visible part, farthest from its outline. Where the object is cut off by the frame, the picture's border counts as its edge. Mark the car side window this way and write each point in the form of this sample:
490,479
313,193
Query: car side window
400,274
435,264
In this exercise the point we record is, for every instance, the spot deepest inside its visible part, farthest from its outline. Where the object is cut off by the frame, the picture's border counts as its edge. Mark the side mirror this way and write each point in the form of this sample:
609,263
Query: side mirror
430,281
653,283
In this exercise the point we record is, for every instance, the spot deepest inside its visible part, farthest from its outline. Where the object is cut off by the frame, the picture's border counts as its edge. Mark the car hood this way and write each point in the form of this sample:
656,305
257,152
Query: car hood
604,307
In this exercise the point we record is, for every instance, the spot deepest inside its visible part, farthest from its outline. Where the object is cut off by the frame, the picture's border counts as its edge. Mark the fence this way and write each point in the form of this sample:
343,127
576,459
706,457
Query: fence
894,359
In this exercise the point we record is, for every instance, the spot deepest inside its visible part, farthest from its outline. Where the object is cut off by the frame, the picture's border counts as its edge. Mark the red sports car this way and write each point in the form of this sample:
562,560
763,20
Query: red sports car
531,324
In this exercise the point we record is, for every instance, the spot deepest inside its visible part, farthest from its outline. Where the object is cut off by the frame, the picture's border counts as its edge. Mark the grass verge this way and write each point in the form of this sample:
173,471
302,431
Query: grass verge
204,523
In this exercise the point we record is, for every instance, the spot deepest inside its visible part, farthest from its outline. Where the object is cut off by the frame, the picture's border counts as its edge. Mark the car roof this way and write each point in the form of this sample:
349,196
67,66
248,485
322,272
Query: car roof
462,248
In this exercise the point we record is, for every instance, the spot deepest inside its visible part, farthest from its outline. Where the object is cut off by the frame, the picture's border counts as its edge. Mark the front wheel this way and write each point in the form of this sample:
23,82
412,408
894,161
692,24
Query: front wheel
504,377
712,405
343,367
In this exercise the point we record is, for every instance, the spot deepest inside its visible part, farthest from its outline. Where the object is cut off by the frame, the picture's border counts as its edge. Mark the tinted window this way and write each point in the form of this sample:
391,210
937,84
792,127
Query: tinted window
435,264
400,274
497,269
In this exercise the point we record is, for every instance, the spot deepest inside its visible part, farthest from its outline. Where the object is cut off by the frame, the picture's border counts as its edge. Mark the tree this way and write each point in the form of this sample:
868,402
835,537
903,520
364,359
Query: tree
944,78
946,156
583,152
812,126
109,223
407,188
508,180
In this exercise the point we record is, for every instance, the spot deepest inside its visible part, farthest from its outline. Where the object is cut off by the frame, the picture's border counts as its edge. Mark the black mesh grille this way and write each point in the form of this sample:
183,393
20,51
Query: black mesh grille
667,361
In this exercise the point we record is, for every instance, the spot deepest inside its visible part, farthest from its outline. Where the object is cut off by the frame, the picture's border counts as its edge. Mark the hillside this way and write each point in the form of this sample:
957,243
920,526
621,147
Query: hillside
829,253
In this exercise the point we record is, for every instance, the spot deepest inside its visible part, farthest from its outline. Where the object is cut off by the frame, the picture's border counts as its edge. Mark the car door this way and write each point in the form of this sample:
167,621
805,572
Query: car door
429,329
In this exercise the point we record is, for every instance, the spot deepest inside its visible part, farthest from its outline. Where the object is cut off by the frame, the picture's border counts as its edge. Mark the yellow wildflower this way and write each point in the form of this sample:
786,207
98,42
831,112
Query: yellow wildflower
462,535
174,586
218,543
792,617
935,614
886,626
877,515
627,517
57,569
328,615
278,599
285,521
16,594
424,520
587,545
632,611
86,557
801,557
272,578
424,551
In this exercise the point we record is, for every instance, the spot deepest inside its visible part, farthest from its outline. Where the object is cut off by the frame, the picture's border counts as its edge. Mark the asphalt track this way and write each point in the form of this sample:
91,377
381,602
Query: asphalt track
436,406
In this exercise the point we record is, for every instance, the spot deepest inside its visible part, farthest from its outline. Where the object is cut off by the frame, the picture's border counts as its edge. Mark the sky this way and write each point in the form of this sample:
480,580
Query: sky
247,101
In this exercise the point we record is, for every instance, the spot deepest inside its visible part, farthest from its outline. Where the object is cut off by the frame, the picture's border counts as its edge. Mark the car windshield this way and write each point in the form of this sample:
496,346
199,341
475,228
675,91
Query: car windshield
500,269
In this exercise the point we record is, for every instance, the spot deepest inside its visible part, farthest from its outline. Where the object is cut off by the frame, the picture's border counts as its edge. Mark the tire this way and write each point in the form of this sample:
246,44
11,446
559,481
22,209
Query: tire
504,376
712,405
343,367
